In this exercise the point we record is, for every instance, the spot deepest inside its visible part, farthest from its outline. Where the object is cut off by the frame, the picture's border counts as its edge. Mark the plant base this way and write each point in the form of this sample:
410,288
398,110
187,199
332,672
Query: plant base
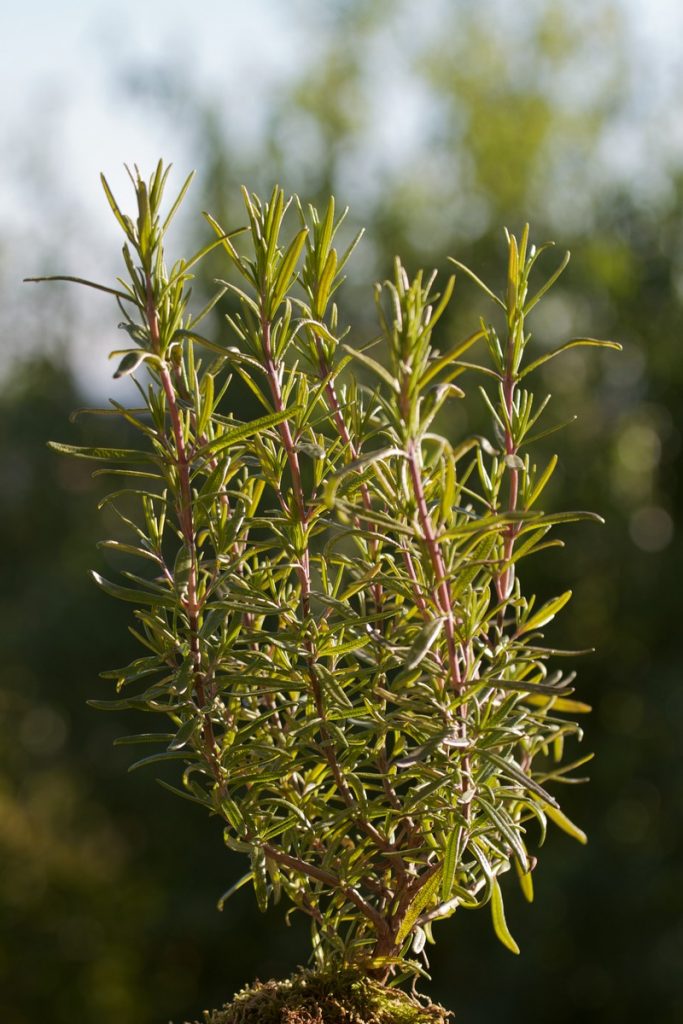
311,997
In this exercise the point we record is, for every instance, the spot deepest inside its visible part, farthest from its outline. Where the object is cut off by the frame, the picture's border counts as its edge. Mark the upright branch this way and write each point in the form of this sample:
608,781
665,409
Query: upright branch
327,595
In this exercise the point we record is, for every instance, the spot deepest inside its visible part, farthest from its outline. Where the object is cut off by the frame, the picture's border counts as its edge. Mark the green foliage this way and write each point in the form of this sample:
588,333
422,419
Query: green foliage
328,595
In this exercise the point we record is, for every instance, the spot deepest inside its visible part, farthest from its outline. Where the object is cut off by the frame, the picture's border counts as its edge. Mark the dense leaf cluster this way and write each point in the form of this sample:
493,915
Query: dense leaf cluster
328,594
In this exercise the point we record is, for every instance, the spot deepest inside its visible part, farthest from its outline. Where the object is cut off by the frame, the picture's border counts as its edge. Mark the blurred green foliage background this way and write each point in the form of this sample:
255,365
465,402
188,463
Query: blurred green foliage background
108,885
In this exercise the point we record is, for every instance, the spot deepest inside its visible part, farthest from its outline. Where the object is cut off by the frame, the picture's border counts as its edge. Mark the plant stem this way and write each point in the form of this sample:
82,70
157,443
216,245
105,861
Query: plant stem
505,580
340,422
273,374
327,878
442,592
186,522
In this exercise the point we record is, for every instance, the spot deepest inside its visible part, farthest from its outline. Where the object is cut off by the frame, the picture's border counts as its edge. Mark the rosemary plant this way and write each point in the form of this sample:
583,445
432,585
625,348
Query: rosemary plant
328,596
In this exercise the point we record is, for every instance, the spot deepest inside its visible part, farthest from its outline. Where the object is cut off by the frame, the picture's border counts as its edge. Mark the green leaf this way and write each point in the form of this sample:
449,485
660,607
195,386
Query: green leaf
260,878
128,549
224,239
184,734
450,863
484,287
545,614
574,343
176,205
437,365
167,755
570,707
327,230
241,433
424,895
101,454
542,481
320,329
326,280
164,599
423,644
129,363
82,280
474,563
560,517
205,310
243,297
373,365
509,766
124,222
562,821
287,269
143,737
349,249
158,183
498,916
443,303
548,285
355,466
526,882
184,795
330,648
244,880
207,403
533,438
505,827
527,687
124,704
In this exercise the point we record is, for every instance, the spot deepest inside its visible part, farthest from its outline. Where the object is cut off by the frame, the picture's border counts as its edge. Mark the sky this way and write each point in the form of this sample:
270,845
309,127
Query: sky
60,68
64,117
59,64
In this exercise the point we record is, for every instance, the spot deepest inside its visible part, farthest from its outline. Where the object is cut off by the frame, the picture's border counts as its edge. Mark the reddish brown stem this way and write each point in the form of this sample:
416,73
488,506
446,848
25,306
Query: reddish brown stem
327,878
442,590
504,581
273,374
186,522
340,423
442,598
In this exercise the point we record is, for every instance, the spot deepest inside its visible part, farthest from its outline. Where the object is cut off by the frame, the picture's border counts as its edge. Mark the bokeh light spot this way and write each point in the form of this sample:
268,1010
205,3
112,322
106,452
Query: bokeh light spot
651,528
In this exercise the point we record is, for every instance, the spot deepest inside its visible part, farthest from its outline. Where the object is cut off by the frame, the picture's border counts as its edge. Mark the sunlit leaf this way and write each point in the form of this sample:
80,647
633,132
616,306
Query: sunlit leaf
498,917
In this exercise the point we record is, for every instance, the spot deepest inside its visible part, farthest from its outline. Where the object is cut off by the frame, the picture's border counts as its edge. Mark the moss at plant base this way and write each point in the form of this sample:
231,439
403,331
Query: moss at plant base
325,998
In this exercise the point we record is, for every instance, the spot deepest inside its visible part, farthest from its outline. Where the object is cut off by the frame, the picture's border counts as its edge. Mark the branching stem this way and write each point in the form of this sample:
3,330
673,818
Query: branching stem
186,521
